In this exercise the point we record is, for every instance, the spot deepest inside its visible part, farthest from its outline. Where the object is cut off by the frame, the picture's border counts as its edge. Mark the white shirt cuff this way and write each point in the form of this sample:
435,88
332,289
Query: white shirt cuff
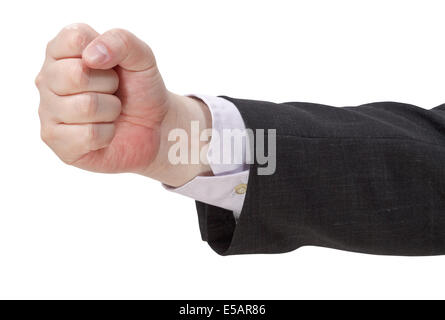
226,189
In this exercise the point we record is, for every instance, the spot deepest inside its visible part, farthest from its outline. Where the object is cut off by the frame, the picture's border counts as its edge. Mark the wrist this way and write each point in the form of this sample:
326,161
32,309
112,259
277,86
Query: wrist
183,112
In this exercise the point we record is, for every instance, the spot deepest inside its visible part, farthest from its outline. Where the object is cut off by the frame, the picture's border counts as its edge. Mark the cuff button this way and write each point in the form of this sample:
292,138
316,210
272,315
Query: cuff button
241,188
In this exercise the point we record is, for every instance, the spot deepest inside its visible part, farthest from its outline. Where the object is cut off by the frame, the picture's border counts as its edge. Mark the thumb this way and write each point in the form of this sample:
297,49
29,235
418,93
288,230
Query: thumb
118,47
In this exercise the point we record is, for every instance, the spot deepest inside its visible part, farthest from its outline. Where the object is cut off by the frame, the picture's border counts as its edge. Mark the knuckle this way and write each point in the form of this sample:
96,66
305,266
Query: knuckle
49,45
121,34
41,112
78,75
39,80
76,39
76,35
77,26
88,105
119,31
46,134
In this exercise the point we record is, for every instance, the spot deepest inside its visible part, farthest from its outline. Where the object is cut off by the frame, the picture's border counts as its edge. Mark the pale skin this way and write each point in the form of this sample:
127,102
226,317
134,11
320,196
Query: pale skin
104,106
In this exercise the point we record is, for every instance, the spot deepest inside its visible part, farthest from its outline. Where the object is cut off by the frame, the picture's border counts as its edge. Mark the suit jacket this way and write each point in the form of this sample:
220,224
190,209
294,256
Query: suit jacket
368,179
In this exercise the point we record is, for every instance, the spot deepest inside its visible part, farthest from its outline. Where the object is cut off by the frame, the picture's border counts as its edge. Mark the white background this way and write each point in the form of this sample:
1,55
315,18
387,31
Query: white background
67,233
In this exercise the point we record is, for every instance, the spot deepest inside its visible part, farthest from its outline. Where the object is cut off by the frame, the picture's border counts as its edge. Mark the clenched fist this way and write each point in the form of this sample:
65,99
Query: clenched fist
104,106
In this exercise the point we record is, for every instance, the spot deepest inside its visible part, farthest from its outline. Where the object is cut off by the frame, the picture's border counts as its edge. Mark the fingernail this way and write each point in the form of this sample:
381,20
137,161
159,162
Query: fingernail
97,54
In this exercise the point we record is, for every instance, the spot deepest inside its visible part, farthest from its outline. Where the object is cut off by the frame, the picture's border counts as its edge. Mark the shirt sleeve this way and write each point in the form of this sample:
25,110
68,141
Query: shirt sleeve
227,187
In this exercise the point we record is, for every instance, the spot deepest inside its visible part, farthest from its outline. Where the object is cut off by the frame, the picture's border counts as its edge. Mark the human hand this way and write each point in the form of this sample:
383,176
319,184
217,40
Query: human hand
104,106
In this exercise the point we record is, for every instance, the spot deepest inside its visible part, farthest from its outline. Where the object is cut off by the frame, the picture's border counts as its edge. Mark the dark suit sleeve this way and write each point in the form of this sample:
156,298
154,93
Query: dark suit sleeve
366,179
